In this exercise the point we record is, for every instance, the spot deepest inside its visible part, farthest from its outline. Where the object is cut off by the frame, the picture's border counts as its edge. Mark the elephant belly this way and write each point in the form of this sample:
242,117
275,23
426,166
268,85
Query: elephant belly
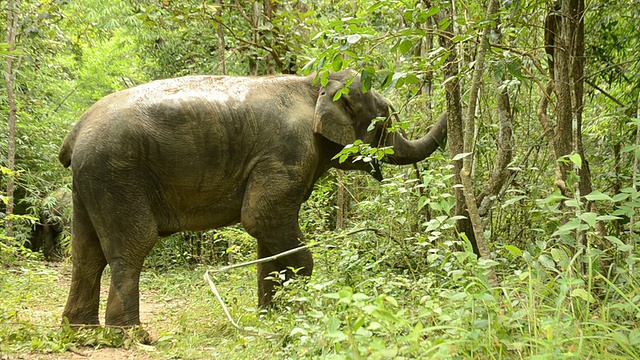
192,210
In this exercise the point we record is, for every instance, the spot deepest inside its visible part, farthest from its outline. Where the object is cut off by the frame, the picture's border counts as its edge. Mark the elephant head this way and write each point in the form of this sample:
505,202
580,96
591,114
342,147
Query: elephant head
348,118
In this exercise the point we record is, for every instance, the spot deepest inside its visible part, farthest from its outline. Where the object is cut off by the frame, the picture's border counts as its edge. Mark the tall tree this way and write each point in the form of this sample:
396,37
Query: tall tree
564,41
11,68
455,135
221,41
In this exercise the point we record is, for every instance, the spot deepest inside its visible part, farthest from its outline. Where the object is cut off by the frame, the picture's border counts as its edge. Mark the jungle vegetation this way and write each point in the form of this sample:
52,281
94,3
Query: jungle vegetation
519,239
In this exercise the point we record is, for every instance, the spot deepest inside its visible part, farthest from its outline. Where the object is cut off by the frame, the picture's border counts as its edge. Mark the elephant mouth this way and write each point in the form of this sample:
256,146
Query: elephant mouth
376,170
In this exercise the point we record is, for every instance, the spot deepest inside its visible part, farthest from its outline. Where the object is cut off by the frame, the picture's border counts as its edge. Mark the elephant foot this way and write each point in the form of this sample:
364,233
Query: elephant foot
78,320
111,336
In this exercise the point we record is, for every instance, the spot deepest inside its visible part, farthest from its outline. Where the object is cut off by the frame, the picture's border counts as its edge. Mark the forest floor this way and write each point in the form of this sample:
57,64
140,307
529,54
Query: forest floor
150,306
185,321
177,309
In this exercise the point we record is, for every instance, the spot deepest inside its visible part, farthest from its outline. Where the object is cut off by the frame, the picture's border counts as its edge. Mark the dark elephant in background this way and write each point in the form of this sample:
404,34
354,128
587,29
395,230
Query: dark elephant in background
53,220
203,152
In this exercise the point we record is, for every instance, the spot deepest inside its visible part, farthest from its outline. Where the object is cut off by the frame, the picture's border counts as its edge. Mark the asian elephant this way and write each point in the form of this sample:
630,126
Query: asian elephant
201,152
53,220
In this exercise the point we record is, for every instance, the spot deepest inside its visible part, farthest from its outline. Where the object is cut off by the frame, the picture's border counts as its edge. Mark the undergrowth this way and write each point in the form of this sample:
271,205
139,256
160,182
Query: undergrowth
405,288
354,307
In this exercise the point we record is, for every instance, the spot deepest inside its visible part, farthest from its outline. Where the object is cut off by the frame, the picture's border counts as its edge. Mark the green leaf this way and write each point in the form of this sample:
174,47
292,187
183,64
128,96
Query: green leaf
598,196
432,11
332,295
607,218
461,156
547,262
583,294
365,79
513,200
387,81
576,160
298,331
619,197
620,246
444,24
406,46
628,148
360,296
391,300
589,218
634,337
336,64
354,38
340,92
357,324
513,250
422,202
568,227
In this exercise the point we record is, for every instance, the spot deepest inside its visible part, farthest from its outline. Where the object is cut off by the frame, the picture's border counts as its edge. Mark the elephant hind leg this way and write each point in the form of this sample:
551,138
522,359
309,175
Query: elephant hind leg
88,264
127,241
123,304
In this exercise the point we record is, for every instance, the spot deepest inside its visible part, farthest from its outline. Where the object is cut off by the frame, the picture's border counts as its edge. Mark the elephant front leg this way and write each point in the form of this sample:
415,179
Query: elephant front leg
301,261
270,214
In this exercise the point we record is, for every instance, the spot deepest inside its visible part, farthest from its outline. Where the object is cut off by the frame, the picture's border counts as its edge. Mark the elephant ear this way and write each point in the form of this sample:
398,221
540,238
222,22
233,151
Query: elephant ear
333,119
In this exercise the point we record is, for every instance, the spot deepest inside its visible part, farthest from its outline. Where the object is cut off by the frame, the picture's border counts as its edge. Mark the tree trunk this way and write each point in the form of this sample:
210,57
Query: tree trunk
469,141
340,202
634,184
13,8
455,138
564,114
500,172
268,17
221,42
253,59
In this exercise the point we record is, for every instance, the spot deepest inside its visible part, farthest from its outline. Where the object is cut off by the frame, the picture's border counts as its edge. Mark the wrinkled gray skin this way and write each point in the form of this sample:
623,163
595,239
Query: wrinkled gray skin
201,152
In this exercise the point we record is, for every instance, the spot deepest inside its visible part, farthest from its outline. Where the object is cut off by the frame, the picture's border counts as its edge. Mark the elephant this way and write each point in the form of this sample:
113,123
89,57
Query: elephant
53,220
205,151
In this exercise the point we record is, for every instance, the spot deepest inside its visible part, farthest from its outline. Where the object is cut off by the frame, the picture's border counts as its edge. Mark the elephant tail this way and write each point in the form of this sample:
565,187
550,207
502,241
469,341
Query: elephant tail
64,155
66,150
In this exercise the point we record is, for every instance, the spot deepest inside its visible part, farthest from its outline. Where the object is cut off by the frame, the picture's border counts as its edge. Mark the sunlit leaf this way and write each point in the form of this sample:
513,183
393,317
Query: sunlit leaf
583,294
598,196
513,250
354,38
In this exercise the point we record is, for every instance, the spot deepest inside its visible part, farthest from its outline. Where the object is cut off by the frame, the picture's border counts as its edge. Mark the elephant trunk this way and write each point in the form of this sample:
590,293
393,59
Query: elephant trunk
410,151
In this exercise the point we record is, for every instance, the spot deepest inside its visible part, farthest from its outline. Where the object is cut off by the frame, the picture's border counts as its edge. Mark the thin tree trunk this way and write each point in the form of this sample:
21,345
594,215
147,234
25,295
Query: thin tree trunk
340,205
564,115
221,42
253,59
268,17
455,138
577,70
500,172
13,8
634,180
469,141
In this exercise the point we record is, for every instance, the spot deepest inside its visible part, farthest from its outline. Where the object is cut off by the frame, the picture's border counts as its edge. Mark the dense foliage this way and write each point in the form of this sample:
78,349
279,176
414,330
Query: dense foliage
410,286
